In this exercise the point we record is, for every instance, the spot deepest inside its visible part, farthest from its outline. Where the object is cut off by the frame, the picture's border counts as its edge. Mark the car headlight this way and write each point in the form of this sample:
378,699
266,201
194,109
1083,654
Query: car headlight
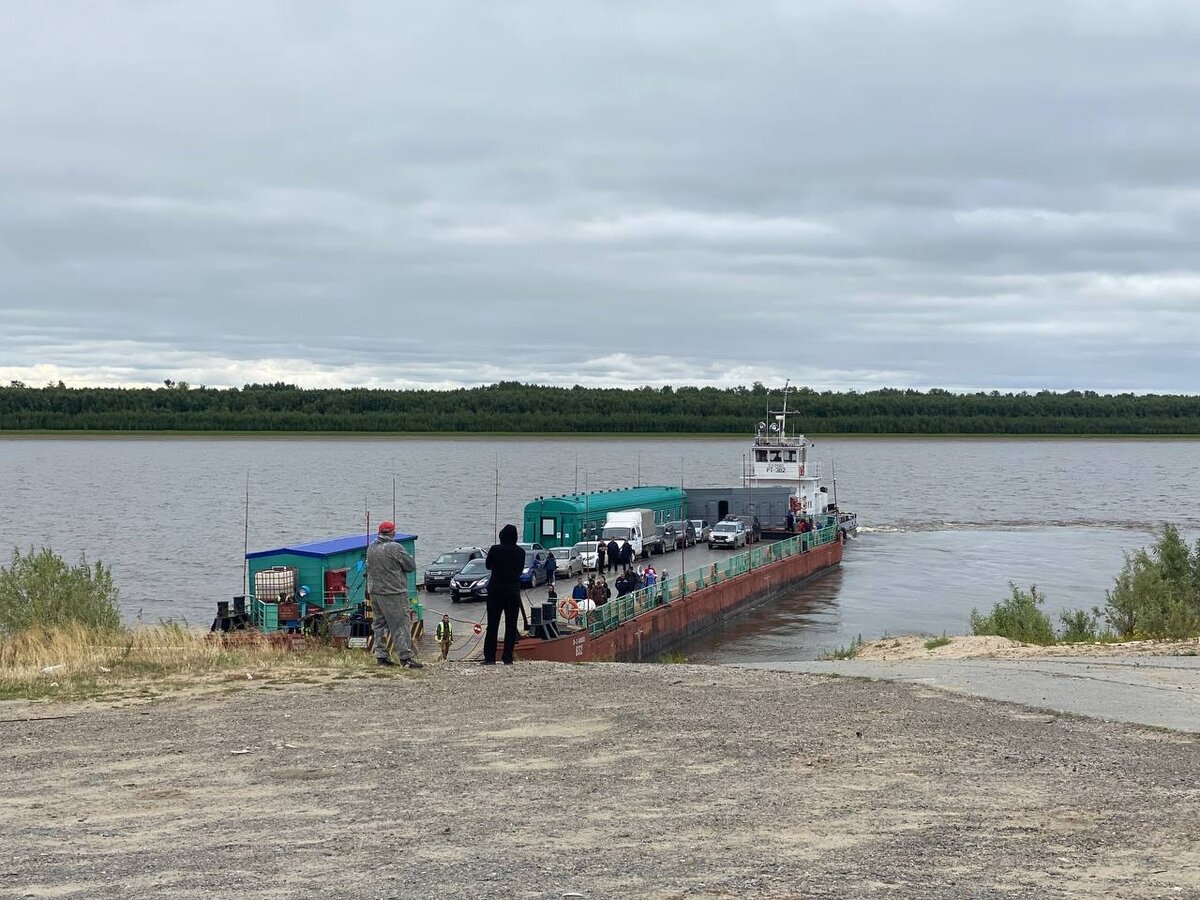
482,582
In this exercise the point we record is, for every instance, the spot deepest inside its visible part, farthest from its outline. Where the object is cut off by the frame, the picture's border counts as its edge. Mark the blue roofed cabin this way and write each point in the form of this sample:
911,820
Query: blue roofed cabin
331,574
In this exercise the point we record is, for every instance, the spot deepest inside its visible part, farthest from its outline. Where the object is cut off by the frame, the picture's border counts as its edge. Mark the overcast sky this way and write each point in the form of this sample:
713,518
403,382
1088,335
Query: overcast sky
975,195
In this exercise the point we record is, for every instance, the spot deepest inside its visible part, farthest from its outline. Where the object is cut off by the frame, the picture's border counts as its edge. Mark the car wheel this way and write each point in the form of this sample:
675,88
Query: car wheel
430,588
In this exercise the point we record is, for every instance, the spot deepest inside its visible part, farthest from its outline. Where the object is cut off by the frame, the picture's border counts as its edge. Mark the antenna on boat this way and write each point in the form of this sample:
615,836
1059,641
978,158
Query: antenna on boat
246,537
683,546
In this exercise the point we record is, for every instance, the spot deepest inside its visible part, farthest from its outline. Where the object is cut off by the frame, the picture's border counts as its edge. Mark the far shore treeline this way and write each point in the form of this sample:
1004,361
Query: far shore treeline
514,407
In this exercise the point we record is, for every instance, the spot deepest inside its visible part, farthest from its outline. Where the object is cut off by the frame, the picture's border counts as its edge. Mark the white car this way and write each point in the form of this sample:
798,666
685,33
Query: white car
727,533
703,530
567,561
587,553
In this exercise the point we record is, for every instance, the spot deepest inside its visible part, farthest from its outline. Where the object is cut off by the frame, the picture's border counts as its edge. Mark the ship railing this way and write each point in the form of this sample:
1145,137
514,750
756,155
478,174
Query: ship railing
676,587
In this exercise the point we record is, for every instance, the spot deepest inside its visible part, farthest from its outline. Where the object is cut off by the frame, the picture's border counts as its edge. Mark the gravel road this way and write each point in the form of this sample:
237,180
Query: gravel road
594,781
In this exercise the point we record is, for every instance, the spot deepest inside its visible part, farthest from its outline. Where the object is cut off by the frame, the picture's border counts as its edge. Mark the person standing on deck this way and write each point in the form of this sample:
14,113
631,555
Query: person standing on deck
506,561
580,591
388,565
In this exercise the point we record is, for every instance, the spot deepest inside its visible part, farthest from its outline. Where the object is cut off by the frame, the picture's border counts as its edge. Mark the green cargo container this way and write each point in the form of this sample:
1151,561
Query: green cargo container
329,573
569,518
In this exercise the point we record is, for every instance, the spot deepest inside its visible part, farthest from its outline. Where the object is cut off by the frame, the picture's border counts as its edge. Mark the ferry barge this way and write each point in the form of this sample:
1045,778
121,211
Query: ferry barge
654,619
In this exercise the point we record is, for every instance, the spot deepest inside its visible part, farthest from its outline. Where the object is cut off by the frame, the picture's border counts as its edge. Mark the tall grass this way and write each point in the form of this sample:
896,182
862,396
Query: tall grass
75,661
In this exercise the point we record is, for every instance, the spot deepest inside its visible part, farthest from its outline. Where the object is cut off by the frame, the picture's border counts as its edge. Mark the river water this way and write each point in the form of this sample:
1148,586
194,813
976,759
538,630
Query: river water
947,523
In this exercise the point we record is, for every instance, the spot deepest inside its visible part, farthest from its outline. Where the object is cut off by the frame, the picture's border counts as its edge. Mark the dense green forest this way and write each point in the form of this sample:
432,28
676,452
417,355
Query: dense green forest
514,407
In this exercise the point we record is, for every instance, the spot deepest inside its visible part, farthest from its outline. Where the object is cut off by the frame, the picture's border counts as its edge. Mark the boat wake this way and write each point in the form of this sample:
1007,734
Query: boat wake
904,527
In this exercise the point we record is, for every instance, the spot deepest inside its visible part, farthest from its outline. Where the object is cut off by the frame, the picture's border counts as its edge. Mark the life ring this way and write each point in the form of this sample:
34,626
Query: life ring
568,608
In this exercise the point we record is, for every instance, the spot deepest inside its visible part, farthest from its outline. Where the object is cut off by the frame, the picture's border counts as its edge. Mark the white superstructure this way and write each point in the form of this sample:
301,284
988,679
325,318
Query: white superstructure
779,459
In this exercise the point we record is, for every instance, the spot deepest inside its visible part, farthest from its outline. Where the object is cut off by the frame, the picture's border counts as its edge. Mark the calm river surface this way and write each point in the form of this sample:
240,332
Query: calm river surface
947,523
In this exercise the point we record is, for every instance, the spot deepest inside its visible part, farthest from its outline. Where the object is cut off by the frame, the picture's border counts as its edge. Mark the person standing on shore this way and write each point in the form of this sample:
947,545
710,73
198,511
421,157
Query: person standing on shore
506,561
445,635
601,549
388,565
614,555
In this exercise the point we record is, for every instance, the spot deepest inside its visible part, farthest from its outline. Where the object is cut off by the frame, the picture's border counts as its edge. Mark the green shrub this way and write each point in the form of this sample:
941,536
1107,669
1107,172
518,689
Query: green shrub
1157,593
934,643
41,589
1080,626
1018,618
843,652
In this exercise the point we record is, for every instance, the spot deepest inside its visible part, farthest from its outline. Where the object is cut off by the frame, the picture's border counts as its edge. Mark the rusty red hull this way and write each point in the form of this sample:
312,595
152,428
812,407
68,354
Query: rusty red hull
666,626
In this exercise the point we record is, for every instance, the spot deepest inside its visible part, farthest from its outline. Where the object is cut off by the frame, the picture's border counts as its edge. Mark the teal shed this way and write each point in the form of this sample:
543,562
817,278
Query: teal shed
329,573
569,518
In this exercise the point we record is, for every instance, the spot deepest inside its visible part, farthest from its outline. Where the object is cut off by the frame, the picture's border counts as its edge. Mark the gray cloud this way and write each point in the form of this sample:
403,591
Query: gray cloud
849,194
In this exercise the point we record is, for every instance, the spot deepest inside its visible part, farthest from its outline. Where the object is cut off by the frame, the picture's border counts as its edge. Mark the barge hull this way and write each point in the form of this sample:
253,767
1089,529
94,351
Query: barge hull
666,626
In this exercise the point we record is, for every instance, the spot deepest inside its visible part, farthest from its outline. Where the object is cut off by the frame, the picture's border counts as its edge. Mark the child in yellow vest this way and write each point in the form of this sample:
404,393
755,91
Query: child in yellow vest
445,634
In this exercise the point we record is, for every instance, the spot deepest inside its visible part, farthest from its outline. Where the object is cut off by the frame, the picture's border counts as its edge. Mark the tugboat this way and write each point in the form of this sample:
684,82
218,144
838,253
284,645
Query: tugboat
778,459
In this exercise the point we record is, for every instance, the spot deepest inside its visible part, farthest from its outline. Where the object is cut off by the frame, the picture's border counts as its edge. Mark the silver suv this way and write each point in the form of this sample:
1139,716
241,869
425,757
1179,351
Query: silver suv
727,533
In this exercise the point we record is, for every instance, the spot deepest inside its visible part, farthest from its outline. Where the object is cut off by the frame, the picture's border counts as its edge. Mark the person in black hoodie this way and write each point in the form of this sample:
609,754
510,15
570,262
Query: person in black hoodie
505,560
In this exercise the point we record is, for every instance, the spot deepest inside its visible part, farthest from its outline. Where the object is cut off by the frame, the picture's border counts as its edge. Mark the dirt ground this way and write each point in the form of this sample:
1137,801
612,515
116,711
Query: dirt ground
593,781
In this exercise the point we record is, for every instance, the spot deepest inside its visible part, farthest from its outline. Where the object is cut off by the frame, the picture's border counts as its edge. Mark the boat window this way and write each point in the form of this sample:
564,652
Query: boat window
760,455
791,456
775,457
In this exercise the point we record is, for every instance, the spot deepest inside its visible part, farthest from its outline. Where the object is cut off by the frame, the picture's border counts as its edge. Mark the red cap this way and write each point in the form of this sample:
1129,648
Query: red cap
387,527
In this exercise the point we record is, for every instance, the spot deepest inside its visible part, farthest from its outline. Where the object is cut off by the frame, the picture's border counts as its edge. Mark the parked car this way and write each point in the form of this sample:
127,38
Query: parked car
729,533
528,546
753,528
685,534
703,529
534,572
470,582
587,553
567,561
447,565
667,537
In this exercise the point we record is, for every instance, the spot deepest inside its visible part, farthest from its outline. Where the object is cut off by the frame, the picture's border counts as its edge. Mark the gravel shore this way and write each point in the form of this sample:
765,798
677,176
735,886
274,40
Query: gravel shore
592,781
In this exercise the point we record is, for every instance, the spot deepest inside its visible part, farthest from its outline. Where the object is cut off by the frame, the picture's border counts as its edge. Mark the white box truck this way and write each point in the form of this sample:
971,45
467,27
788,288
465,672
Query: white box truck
636,526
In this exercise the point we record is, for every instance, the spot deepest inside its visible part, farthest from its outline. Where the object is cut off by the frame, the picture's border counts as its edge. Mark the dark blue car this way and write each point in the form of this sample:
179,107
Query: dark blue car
534,572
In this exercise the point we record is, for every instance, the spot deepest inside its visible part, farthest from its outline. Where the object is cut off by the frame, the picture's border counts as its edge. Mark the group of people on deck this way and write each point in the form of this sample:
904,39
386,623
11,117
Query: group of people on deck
597,591
806,523
613,557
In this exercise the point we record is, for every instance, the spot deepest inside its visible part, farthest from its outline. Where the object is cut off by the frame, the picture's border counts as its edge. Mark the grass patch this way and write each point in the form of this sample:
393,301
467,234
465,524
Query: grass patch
75,662
846,652
673,657
934,643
